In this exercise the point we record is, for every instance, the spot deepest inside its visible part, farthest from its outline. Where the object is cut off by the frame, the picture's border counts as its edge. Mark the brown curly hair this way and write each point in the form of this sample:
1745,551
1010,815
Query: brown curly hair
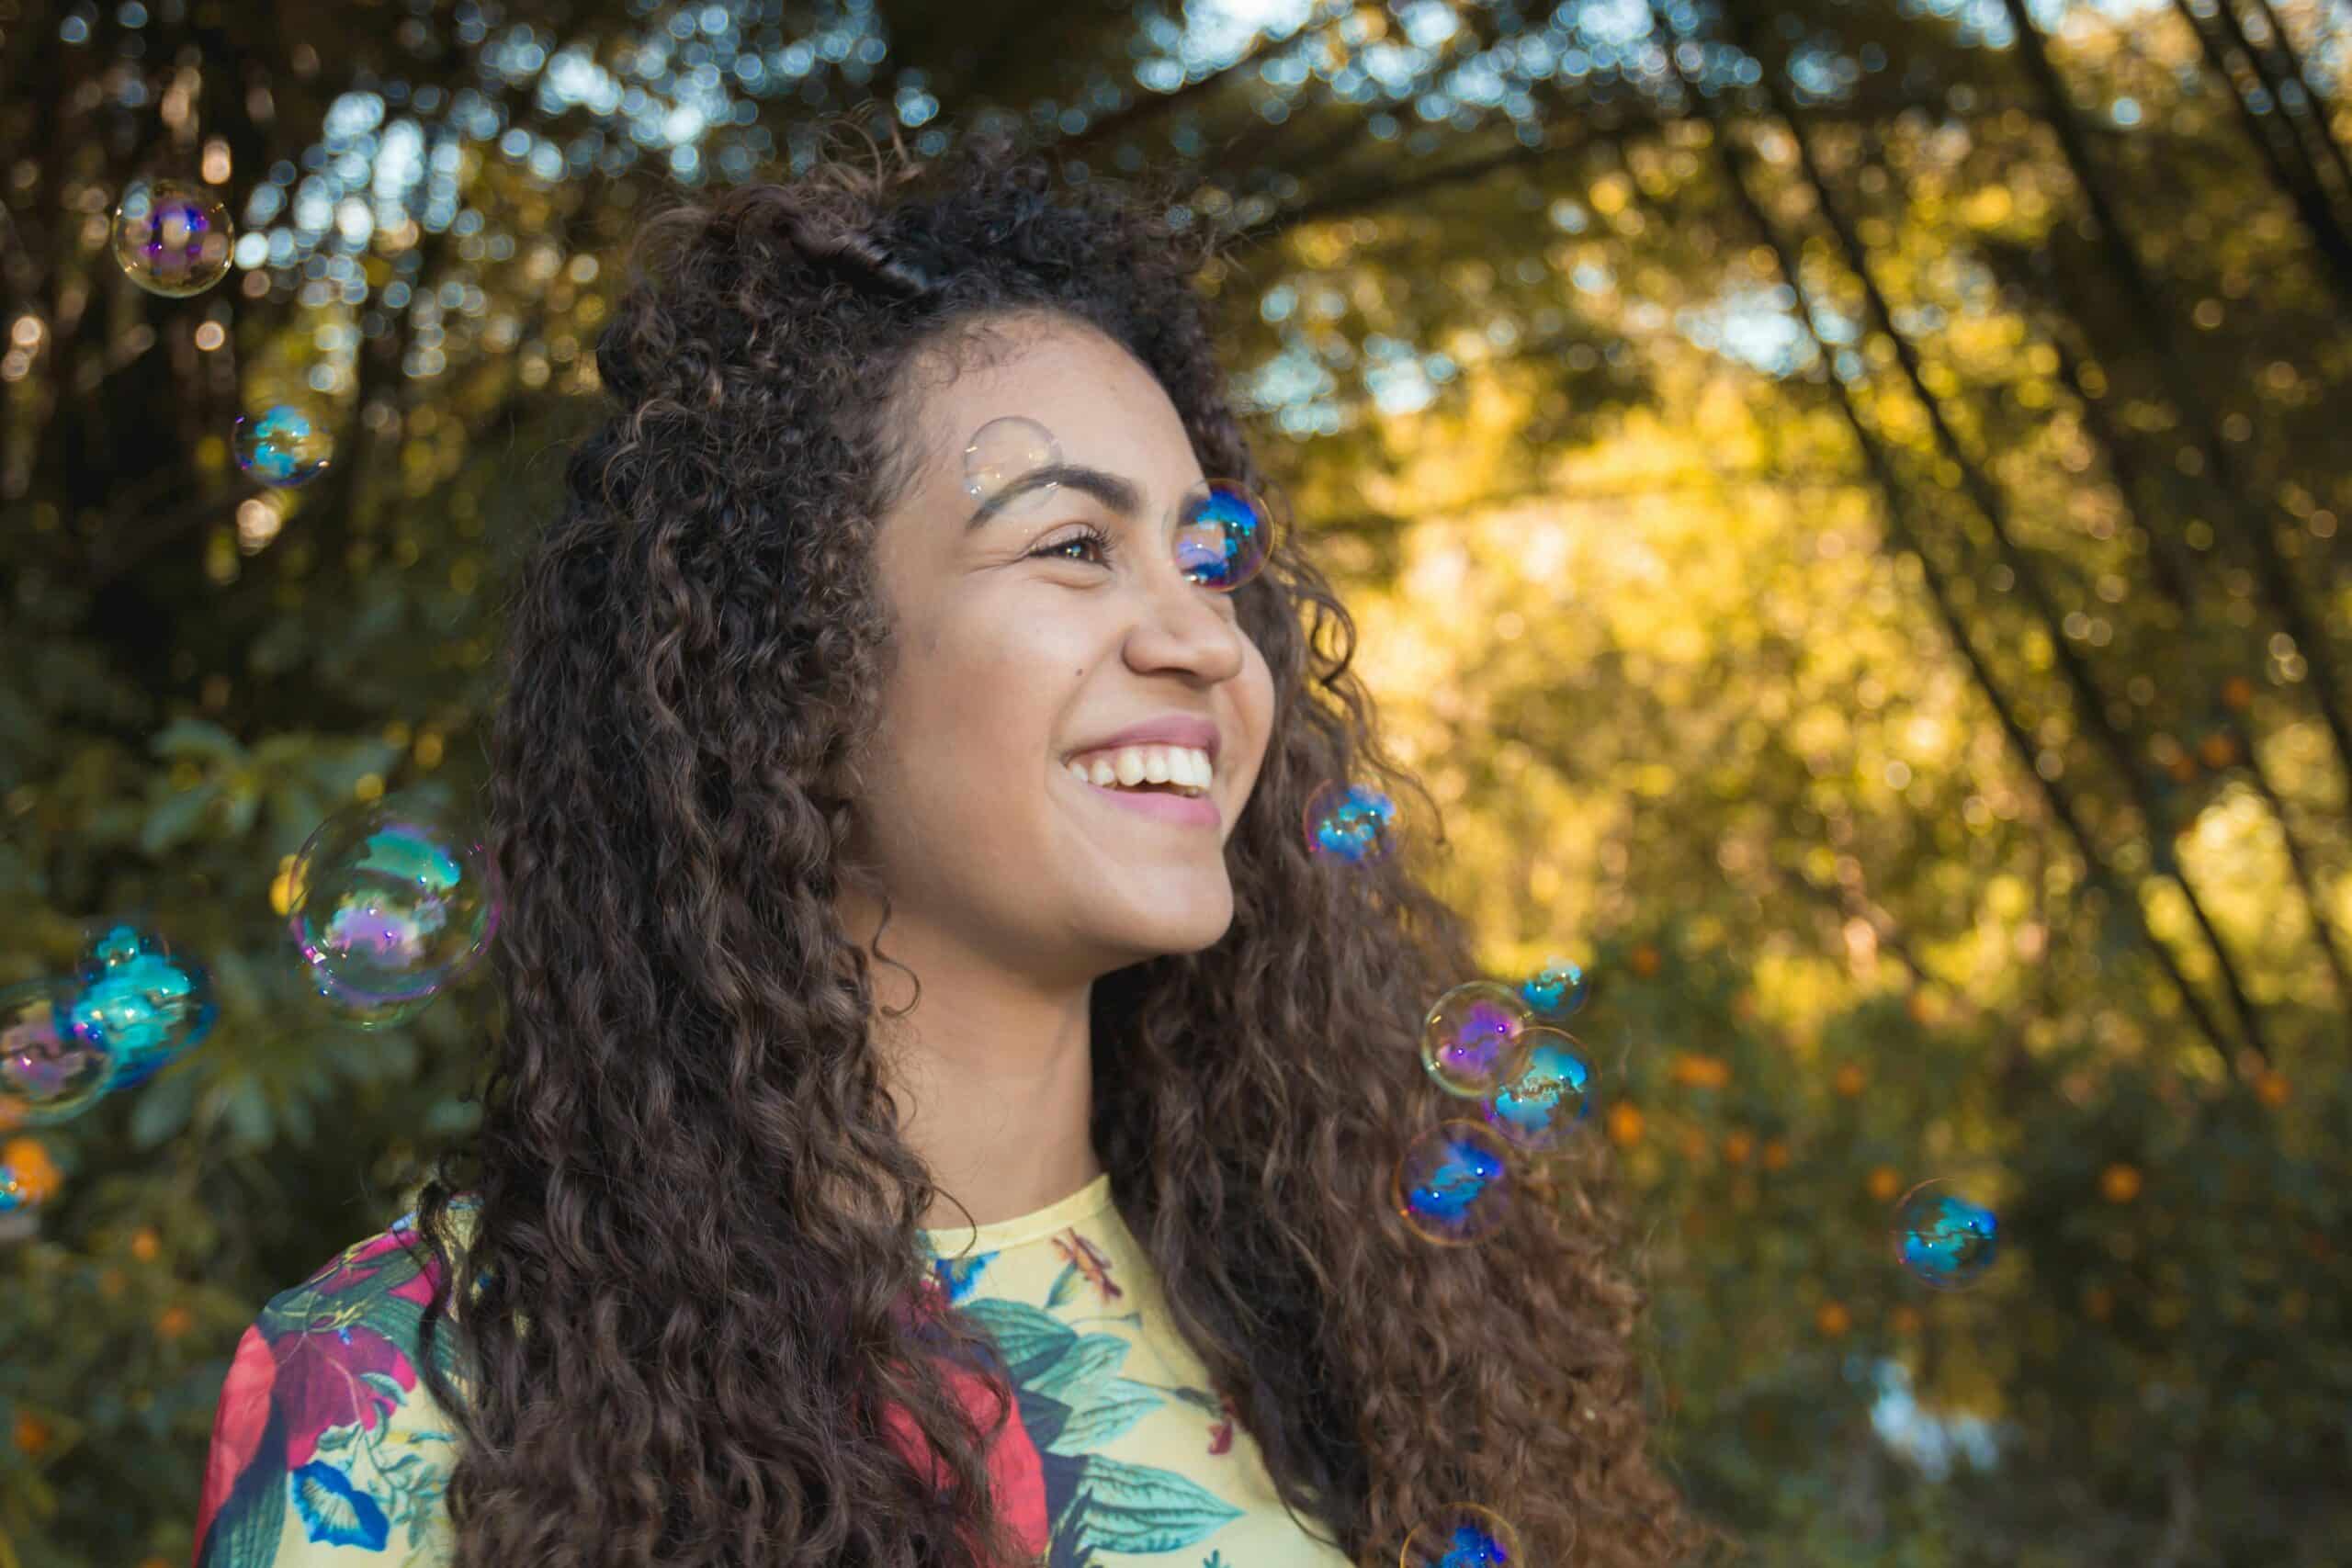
693,1222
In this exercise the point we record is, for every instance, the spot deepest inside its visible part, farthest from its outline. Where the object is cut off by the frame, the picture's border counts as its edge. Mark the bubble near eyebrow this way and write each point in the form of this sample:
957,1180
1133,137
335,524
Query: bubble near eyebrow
1002,450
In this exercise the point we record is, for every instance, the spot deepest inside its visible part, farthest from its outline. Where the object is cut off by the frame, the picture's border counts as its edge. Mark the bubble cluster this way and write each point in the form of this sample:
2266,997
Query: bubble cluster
1225,532
1350,824
285,445
51,1068
1470,1040
1453,1183
148,1006
1461,1535
1943,1235
1003,450
172,238
390,903
1535,1112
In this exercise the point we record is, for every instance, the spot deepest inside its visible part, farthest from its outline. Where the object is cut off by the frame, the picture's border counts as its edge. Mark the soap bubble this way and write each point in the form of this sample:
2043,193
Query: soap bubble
1556,990
285,445
51,1069
1537,1111
1225,531
391,902
148,1006
1349,823
1461,1535
172,238
1943,1235
1470,1040
1451,1183
1002,450
323,996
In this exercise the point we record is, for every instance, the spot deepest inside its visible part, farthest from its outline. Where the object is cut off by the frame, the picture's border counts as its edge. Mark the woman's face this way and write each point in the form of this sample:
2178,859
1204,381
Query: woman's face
1022,643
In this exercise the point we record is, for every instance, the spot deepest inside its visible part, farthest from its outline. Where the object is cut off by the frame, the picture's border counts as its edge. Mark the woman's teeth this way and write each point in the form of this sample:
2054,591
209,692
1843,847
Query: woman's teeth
1184,769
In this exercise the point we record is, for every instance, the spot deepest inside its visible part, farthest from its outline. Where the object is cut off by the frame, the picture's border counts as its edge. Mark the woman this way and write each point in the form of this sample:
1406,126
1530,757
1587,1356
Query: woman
905,1147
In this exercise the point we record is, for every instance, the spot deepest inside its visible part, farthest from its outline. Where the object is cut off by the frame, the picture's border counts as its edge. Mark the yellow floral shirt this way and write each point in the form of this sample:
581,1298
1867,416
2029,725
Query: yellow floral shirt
328,1453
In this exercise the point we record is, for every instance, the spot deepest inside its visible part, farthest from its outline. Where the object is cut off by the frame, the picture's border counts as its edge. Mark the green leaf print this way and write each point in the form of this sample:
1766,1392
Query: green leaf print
1137,1508
1099,1412
1065,1285
1029,1340
1083,1362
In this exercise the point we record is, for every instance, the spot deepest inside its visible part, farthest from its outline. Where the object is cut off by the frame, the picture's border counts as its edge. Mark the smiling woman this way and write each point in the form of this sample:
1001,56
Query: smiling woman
914,1140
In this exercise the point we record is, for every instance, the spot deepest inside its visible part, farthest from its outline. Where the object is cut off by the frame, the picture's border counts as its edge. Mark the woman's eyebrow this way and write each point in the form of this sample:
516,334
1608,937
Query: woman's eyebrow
1121,495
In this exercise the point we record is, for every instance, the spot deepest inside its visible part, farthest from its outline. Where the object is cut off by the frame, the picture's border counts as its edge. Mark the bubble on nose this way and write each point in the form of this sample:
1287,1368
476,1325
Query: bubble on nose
1350,824
1453,1184
1471,1040
1002,450
1225,531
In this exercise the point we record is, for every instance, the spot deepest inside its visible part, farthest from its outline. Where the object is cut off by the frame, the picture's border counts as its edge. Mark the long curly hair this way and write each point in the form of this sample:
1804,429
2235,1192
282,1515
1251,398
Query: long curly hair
693,1226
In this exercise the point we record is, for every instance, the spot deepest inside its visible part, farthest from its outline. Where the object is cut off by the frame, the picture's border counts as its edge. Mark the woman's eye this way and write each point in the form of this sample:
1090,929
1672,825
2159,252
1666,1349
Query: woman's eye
1090,539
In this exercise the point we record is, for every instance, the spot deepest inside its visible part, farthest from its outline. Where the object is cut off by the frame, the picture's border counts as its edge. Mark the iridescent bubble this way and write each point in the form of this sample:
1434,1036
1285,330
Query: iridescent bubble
1461,1535
1556,990
1537,1111
1225,531
1943,1235
147,1005
330,1001
391,902
1349,823
1002,450
172,238
1453,1183
1470,1040
51,1069
285,445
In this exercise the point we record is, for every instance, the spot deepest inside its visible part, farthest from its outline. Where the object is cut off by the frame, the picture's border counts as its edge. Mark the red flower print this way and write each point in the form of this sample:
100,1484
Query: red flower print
1016,1474
1221,1433
1083,1256
237,1424
320,1385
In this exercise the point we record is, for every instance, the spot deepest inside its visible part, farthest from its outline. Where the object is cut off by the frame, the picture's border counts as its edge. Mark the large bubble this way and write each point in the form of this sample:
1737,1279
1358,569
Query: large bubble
391,902
172,238
147,1004
1453,1183
1225,531
1537,1111
1470,1040
51,1068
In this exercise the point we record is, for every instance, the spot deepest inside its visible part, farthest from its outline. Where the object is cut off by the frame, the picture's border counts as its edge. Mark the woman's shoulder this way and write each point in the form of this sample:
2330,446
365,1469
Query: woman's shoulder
327,1446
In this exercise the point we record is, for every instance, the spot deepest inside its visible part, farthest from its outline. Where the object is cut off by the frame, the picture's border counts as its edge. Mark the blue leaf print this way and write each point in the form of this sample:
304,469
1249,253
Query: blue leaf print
1136,1509
961,1276
1065,1285
335,1511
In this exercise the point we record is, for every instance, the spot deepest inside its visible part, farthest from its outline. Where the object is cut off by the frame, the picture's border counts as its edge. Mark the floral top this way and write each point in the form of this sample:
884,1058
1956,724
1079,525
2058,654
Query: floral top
328,1451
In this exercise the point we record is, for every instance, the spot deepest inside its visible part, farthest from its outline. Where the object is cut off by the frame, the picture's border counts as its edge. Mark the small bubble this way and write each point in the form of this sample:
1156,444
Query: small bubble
1350,824
149,1006
1557,990
1461,1535
284,446
1537,1111
1453,1183
1470,1040
1943,1235
1002,450
51,1069
172,238
1225,532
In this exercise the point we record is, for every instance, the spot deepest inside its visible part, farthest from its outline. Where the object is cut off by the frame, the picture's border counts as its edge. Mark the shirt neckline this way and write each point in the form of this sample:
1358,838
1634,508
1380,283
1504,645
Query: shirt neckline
962,1241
